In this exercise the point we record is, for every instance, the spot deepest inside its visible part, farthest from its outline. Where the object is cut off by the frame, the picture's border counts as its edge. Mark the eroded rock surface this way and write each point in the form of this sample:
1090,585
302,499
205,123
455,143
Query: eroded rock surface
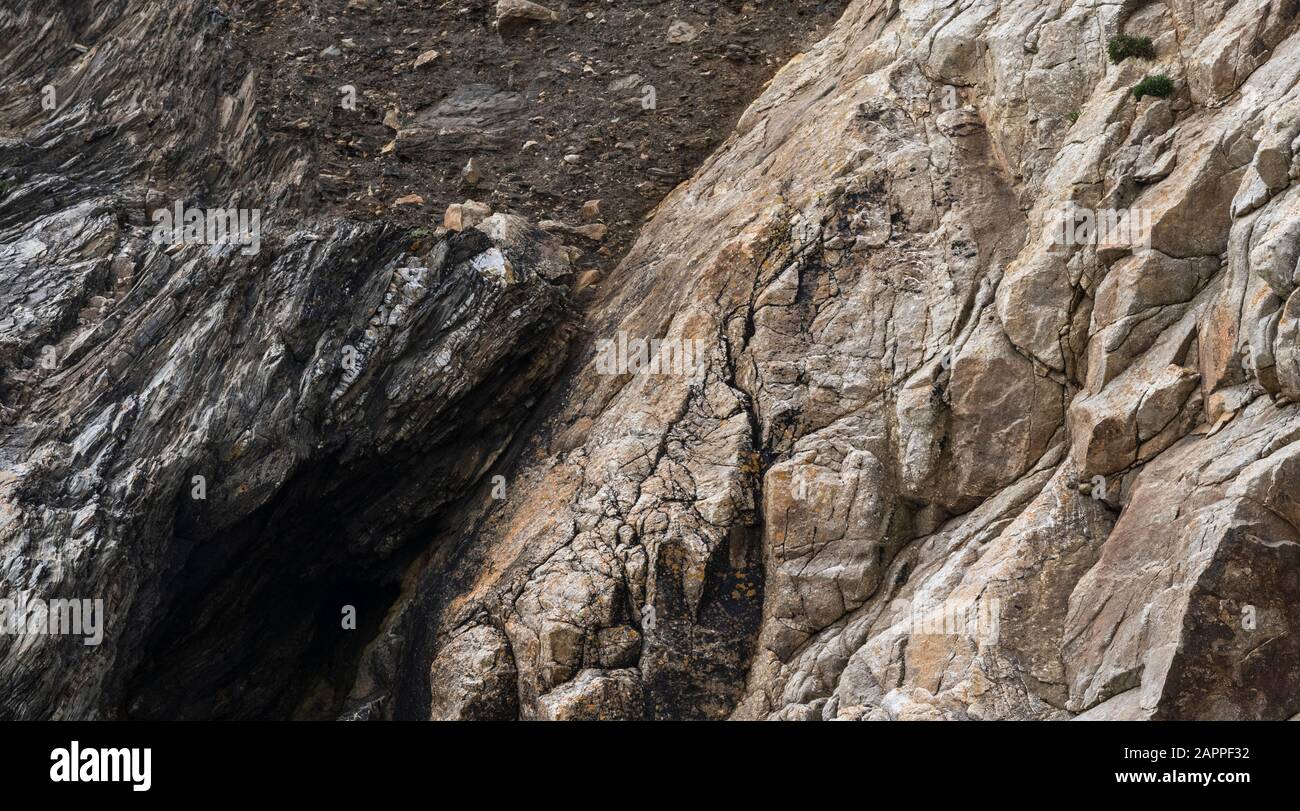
902,453
916,399
225,446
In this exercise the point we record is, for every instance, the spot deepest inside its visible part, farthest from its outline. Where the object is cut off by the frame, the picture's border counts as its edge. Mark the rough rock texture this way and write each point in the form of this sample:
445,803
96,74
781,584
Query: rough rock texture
578,100
334,391
911,392
911,397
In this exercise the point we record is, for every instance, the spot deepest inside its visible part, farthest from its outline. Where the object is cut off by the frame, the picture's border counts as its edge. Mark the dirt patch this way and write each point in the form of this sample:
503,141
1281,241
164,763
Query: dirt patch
615,101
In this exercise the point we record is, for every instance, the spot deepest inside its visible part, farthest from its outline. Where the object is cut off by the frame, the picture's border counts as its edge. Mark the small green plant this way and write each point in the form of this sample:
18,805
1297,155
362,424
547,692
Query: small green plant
4,188
1158,85
1073,116
1121,47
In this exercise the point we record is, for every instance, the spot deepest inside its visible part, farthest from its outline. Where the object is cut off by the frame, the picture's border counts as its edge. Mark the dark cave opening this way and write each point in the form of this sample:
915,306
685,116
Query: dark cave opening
251,624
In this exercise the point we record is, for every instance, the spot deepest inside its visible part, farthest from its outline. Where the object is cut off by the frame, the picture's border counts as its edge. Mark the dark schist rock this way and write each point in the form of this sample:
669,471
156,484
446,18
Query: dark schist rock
472,119
930,461
231,449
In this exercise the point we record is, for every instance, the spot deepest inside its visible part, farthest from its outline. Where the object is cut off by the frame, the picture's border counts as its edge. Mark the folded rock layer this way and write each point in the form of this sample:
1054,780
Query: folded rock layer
851,432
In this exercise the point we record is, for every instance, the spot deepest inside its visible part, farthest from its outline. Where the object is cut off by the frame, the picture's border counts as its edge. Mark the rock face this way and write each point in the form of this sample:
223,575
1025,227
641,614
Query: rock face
856,430
917,402
227,448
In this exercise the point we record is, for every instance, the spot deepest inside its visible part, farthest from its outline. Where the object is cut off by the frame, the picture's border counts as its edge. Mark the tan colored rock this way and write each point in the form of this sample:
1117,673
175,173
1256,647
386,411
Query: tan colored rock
470,174
594,231
586,279
514,13
473,213
594,695
454,218
952,407
474,678
425,58
681,32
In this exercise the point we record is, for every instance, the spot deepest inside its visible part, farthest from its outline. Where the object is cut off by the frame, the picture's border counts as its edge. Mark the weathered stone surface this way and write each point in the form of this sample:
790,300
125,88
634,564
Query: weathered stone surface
477,681
952,410
513,13
227,448
474,118
903,450
594,695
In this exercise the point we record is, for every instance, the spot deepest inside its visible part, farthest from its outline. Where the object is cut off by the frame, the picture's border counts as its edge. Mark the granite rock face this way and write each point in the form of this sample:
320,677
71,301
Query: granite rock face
852,432
939,465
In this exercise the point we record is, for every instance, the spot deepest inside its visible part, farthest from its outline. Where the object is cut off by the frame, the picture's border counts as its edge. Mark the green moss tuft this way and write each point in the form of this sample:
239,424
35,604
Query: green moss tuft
1121,47
1158,85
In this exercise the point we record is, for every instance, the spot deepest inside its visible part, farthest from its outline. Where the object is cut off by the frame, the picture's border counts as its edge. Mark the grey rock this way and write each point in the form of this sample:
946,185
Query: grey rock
511,14
902,453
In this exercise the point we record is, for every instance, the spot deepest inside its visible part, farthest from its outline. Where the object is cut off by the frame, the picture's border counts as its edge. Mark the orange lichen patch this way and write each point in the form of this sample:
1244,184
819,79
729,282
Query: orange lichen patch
536,520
